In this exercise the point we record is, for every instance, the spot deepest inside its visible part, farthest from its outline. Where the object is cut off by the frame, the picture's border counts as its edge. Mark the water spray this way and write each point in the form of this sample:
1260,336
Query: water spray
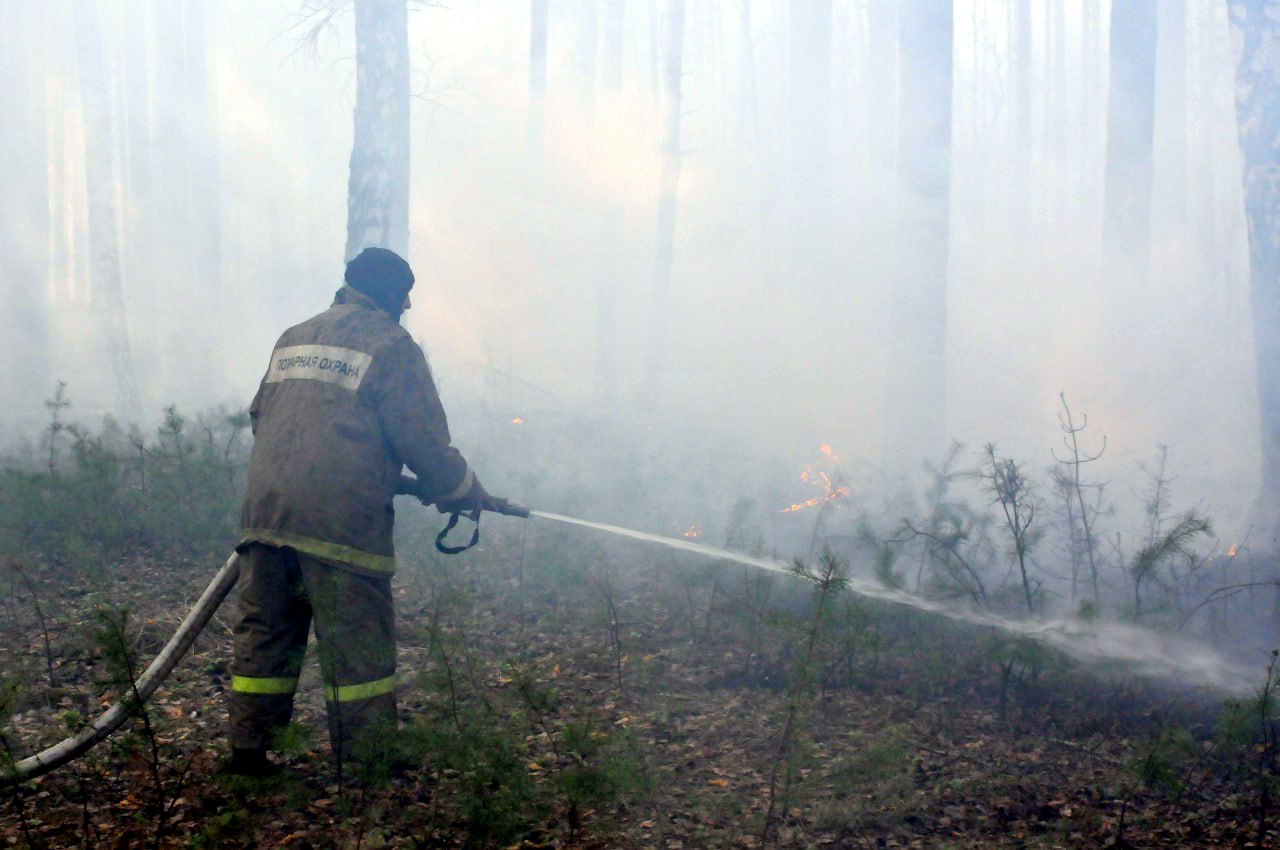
1087,641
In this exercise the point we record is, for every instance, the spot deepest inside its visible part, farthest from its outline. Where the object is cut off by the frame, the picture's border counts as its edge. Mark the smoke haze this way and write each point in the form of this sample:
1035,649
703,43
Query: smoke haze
778,339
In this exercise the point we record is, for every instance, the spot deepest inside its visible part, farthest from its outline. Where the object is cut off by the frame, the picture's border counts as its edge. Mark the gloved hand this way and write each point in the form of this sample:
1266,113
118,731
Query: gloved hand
475,500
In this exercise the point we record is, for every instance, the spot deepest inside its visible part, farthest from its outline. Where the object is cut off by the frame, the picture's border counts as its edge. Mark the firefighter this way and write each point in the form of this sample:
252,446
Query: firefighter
347,401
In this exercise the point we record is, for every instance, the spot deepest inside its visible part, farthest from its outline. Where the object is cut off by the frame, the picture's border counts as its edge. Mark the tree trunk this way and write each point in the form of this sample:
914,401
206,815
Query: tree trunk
24,218
917,385
378,187
1130,128
672,70
107,281
1257,23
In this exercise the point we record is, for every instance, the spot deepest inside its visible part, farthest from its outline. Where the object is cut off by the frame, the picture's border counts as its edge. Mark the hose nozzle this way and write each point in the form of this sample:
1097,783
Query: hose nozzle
409,486
508,507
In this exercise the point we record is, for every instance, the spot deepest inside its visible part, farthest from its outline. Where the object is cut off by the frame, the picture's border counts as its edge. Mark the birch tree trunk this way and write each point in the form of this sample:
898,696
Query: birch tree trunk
1257,24
107,280
378,186
672,71
917,383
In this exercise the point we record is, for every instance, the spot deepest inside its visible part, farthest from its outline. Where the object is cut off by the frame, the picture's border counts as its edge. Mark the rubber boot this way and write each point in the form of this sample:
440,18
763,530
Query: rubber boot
251,763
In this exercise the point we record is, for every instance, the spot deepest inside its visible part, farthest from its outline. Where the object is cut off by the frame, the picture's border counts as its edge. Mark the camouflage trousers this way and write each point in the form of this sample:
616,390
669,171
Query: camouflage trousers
282,592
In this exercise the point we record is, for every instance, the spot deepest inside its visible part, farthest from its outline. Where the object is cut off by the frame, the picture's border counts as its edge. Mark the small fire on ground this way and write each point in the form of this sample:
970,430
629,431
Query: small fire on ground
826,477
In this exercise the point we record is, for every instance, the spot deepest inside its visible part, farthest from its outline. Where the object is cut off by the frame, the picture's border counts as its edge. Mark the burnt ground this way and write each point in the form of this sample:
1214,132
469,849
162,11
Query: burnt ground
560,694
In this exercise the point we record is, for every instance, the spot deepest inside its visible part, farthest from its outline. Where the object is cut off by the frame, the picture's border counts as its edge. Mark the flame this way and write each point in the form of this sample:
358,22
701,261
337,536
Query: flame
840,492
1235,547
811,474
693,533
517,421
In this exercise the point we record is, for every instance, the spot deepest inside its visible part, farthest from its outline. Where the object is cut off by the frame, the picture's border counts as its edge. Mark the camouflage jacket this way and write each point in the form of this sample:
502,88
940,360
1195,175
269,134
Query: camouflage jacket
347,401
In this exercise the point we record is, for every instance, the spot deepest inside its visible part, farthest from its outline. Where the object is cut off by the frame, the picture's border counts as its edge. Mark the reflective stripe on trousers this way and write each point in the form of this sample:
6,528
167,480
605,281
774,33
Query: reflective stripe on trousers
282,593
363,690
264,685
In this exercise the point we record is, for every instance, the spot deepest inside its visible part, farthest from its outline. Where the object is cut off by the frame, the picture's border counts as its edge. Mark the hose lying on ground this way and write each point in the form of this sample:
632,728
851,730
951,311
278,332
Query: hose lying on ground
80,743
61,753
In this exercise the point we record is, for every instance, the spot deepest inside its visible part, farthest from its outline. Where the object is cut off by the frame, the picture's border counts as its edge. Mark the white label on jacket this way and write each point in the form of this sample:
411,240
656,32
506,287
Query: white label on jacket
329,363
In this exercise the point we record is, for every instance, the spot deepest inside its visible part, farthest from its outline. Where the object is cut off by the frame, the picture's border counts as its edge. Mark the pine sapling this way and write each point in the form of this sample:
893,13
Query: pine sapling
827,581
56,426
1176,541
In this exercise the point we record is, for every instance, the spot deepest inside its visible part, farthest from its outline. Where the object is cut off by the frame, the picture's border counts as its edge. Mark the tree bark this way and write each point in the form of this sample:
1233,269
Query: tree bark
378,186
1257,23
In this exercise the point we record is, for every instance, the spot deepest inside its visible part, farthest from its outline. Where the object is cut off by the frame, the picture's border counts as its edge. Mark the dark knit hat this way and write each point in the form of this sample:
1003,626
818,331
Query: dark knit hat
383,275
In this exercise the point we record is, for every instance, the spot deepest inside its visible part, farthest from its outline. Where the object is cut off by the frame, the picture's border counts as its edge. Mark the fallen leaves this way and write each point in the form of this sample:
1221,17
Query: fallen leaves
703,715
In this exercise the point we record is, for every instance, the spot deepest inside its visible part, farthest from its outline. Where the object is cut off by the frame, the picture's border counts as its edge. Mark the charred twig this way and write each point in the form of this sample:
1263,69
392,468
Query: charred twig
1076,458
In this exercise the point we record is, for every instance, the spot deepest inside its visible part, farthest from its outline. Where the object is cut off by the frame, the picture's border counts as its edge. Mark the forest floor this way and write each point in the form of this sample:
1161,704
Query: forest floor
642,704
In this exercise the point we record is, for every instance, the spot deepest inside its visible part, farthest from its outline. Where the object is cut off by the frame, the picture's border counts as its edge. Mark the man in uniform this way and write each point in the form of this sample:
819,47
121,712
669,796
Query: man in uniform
346,403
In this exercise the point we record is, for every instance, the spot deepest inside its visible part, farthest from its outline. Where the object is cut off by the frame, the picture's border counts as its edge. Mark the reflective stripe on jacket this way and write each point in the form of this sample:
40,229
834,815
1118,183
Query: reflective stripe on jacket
346,403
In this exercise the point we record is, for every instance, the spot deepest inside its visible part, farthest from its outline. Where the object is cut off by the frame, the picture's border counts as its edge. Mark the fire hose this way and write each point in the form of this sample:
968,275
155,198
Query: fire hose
197,618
